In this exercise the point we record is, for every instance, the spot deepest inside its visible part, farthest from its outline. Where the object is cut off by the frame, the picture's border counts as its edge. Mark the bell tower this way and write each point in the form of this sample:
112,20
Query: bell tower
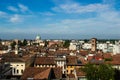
16,47
93,44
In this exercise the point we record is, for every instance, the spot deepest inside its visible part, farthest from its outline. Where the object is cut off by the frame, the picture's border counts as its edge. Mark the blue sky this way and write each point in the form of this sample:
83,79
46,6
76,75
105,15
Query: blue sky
60,18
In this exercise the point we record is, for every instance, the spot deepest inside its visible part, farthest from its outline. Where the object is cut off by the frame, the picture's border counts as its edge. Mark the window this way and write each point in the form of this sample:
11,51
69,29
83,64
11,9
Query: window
22,71
93,45
67,70
17,65
40,65
17,71
71,71
21,65
14,70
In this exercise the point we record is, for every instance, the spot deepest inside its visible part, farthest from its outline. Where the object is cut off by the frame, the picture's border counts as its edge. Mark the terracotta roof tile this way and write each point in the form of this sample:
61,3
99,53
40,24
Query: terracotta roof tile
107,55
84,52
115,60
82,60
43,75
90,58
79,72
36,73
71,75
12,57
71,60
62,51
116,57
98,56
45,60
57,72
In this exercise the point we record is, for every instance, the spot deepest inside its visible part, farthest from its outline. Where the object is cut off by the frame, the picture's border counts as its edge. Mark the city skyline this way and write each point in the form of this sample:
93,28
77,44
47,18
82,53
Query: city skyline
54,19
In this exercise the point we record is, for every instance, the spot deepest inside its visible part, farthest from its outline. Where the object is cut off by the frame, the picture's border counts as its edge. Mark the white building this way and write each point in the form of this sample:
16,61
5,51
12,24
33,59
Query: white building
86,46
102,46
19,64
17,68
61,62
116,48
74,45
38,41
105,47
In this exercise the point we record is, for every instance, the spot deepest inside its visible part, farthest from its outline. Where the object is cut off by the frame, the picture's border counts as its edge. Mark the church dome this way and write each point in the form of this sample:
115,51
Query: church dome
37,37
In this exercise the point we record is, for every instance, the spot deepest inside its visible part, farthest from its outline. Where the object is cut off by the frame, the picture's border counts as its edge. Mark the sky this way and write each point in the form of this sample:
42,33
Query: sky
60,19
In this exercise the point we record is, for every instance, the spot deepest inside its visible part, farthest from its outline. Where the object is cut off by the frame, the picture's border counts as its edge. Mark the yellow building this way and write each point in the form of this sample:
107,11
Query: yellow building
72,63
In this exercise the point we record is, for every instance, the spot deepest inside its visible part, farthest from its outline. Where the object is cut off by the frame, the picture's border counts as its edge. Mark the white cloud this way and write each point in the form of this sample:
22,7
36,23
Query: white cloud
23,8
105,22
19,8
11,8
2,13
106,19
15,18
77,8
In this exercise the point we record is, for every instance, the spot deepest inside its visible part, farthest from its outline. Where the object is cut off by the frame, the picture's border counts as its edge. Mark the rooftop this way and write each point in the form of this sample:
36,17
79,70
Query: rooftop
45,60
36,73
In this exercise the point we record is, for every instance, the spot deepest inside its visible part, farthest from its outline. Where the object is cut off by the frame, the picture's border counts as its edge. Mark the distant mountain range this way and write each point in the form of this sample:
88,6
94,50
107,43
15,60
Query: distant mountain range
57,36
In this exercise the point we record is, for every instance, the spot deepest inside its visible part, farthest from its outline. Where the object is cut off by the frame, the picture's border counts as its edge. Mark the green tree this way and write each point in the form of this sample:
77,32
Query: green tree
98,72
20,43
0,42
46,43
24,42
86,40
106,72
13,44
66,43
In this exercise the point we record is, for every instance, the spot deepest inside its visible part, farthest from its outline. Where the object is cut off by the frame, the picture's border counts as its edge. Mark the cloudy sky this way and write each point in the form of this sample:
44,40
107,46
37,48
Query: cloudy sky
73,19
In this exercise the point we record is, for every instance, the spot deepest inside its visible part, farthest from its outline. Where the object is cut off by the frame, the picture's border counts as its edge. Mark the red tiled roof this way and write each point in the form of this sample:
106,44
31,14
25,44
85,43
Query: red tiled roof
43,75
57,72
90,58
82,60
45,60
107,55
36,73
83,52
79,72
71,60
115,60
62,51
116,57
71,75
98,57
12,57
